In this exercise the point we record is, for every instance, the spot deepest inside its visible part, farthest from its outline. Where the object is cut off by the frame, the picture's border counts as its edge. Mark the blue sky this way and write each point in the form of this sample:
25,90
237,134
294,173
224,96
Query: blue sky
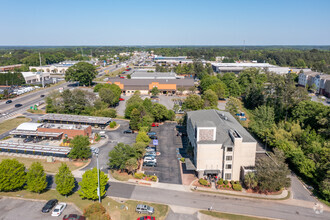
166,22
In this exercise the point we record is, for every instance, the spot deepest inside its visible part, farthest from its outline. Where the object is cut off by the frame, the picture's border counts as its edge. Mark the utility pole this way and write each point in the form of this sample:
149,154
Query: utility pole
41,74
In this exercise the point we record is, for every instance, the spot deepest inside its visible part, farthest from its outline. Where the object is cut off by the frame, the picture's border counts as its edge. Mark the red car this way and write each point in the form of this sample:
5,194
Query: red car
74,217
154,125
122,77
121,99
147,218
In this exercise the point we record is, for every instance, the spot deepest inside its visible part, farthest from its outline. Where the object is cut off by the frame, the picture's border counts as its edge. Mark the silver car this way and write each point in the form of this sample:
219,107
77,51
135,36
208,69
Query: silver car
144,209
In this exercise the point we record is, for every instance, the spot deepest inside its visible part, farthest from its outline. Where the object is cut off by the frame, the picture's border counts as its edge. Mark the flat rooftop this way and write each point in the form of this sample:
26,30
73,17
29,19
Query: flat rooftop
64,126
152,75
259,65
35,148
75,118
36,133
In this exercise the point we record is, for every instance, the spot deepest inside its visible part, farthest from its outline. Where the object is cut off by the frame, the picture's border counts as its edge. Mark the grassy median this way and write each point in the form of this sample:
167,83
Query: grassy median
118,210
229,216
12,123
49,167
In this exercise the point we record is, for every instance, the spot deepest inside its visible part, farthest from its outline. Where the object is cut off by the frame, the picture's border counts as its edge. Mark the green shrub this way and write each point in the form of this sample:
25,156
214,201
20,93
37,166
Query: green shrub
182,159
144,129
232,182
97,137
153,178
114,123
226,182
237,187
139,175
236,182
203,182
220,181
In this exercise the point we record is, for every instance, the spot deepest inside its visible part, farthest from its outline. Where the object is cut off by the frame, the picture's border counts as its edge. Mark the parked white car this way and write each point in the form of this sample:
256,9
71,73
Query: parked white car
150,159
59,209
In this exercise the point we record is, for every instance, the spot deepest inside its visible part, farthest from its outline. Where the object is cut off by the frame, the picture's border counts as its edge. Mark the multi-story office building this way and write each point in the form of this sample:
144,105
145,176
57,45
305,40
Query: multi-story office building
221,145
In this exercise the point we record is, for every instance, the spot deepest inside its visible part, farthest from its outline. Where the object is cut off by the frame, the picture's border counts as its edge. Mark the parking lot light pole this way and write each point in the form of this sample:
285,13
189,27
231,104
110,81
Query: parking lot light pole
98,174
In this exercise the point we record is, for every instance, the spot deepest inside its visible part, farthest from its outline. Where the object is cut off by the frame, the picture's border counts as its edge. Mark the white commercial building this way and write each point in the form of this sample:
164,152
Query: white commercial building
35,77
221,145
239,67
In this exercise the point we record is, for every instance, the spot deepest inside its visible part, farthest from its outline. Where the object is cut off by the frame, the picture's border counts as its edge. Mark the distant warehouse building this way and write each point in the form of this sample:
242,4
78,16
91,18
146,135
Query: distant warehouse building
166,86
222,147
239,67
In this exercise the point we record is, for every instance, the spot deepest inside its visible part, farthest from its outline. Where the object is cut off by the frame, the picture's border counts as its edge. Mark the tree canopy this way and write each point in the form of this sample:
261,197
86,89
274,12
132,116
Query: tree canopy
36,178
65,181
82,72
89,184
80,147
12,175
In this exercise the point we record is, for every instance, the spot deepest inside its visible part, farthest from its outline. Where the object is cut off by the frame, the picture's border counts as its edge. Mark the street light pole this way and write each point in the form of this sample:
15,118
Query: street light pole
98,174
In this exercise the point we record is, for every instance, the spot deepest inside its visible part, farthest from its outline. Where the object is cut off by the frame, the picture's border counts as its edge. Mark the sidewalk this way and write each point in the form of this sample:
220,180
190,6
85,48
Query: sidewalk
283,195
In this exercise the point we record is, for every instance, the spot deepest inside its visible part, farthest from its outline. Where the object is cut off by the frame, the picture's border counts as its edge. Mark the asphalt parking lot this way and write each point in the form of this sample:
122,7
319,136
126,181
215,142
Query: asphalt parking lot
168,166
13,209
115,137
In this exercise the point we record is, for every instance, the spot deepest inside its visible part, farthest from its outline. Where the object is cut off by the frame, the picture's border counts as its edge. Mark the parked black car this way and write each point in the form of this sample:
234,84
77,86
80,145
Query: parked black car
42,96
49,205
9,101
18,105
128,131
153,137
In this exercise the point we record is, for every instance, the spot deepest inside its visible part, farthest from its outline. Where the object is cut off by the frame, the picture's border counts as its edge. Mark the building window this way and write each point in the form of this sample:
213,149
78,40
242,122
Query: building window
229,157
229,149
228,166
228,176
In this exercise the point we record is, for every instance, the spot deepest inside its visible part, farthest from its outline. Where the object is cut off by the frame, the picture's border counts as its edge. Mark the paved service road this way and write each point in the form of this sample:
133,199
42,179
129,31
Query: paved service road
255,207
168,166
14,209
115,137
299,191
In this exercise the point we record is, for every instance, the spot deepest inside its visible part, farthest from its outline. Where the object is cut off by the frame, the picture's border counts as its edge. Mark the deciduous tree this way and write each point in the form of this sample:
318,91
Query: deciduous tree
89,184
12,175
36,178
65,181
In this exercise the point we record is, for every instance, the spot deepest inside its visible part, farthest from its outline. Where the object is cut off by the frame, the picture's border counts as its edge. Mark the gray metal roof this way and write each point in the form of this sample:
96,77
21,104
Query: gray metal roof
144,83
152,75
36,133
35,148
224,123
76,118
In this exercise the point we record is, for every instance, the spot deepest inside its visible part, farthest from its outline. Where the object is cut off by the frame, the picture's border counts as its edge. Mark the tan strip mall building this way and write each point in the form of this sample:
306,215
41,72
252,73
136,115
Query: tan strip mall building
166,86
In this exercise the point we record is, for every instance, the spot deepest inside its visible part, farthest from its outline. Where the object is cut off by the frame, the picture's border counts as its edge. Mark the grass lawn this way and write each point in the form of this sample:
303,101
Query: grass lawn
12,123
51,167
38,111
221,215
121,176
117,210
